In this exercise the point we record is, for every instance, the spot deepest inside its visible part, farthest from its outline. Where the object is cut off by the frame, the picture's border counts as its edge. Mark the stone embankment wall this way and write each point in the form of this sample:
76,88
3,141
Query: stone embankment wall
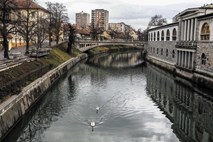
199,77
12,110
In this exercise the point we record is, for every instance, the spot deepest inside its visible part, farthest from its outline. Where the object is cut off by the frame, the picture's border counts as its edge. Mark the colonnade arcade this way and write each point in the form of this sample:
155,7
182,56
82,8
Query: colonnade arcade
185,58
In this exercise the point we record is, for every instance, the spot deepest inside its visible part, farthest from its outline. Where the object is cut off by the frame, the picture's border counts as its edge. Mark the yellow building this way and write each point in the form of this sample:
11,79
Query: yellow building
24,9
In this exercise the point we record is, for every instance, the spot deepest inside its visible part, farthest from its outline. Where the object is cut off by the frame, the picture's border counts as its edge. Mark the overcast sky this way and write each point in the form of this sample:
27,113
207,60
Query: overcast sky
136,13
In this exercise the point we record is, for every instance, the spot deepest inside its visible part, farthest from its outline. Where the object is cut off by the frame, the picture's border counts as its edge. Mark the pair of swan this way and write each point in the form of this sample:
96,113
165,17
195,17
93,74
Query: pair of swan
93,123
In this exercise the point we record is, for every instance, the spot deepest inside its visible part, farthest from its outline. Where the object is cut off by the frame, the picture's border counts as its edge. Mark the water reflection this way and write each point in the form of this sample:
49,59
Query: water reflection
118,60
190,111
132,104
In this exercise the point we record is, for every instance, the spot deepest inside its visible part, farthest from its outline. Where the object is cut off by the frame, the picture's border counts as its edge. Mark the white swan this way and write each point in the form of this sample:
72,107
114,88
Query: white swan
92,124
97,109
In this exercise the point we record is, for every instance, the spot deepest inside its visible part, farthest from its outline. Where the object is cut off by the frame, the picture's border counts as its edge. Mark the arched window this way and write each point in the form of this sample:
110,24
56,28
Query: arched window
154,36
167,52
151,36
162,36
205,32
203,59
167,35
174,34
158,36
161,52
173,53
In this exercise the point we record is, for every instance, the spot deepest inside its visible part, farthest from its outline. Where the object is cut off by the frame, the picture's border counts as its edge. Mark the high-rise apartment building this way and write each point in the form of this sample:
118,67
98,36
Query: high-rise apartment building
82,20
100,19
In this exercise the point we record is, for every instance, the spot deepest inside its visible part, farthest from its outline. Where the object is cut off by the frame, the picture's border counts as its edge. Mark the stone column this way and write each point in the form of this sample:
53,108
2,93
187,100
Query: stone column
184,30
186,60
189,61
177,58
183,56
192,27
195,29
182,61
193,66
188,30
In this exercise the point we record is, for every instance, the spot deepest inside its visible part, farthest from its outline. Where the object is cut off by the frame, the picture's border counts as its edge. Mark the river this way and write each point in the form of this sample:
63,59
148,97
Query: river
118,98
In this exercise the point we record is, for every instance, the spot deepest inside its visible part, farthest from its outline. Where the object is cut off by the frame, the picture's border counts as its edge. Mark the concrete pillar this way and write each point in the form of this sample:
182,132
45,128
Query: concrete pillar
192,27
195,29
188,30
184,30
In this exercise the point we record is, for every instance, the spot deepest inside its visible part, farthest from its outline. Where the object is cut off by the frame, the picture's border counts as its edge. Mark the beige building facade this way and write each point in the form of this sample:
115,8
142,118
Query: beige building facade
100,19
82,20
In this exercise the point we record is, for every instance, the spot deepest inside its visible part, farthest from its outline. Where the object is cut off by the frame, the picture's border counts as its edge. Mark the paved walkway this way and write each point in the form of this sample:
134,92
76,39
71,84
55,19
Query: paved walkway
19,57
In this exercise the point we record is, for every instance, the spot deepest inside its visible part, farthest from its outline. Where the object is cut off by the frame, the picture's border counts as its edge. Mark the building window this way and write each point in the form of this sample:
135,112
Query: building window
167,35
203,59
154,36
157,50
205,32
161,52
167,53
162,36
151,36
158,36
173,53
33,14
154,50
174,34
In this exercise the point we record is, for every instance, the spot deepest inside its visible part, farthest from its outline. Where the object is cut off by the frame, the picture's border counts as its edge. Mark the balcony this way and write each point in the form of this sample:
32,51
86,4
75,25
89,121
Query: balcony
186,44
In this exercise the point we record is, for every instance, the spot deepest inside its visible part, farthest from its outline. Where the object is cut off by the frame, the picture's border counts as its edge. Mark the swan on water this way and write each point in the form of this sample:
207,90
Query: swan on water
92,124
97,109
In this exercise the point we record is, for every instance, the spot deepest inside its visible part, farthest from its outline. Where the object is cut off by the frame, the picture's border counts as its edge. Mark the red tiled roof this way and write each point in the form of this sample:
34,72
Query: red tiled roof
24,4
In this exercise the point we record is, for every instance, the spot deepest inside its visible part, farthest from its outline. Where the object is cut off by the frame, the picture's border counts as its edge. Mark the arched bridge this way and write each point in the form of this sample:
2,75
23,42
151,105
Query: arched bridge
87,45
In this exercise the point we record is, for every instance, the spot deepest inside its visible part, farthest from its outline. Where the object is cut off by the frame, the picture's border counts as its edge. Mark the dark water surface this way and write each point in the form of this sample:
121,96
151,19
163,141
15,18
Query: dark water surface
137,103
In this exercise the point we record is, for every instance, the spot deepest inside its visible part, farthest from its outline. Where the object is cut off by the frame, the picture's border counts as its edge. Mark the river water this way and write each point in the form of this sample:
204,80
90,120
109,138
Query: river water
137,103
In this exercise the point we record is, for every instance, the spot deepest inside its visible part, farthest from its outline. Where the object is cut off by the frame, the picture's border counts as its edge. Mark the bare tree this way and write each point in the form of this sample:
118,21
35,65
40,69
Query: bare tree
7,23
157,20
95,29
40,32
58,17
26,21
72,36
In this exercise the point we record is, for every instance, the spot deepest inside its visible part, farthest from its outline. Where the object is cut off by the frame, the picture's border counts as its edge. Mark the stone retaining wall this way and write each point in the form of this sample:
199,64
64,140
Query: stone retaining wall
12,110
